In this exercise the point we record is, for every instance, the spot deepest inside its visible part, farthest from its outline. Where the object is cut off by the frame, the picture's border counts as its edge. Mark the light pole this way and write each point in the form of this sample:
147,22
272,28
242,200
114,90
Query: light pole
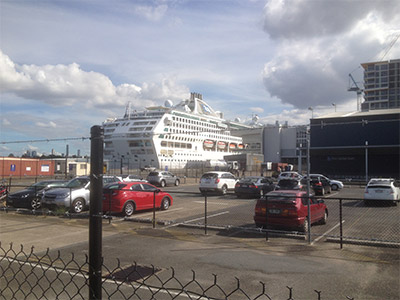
334,104
312,112
366,161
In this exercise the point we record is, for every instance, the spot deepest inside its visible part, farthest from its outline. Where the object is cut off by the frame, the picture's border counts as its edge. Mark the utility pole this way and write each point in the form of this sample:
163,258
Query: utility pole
66,161
95,212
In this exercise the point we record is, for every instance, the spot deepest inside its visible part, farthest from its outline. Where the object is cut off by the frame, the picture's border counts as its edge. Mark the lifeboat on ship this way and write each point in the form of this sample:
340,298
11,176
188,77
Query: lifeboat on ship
221,145
208,144
240,146
232,146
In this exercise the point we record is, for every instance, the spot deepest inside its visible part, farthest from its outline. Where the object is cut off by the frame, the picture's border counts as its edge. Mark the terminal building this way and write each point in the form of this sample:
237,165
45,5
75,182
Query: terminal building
356,145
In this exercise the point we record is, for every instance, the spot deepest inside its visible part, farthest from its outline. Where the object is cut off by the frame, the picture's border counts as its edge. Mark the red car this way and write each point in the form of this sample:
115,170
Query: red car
128,197
288,208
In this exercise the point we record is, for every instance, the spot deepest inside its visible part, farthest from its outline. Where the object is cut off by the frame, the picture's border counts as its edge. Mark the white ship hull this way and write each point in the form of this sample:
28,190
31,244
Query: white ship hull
174,137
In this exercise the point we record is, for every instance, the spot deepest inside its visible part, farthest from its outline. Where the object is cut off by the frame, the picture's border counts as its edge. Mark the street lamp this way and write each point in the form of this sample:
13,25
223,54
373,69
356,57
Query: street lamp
334,104
312,112
366,161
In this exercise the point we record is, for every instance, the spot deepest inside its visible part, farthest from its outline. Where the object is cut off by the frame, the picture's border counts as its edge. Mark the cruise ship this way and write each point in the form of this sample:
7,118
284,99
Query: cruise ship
171,136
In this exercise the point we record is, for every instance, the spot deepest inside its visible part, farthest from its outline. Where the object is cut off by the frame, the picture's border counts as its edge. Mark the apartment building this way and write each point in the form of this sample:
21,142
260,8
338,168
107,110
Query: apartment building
381,85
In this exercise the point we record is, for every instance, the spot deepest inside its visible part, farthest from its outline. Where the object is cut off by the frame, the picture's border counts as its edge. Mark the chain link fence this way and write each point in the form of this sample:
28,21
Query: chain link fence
350,220
26,275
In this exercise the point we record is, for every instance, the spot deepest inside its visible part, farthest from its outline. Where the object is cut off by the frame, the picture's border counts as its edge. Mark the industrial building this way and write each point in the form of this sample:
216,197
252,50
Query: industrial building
356,145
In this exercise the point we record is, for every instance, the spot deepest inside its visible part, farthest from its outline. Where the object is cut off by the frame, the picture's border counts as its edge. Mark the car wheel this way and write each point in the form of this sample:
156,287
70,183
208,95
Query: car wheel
165,204
36,203
224,190
129,208
304,228
334,187
177,182
78,205
162,183
325,218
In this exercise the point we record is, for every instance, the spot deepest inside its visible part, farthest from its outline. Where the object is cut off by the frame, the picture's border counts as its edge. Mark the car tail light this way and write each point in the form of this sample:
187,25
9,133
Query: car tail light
237,185
253,186
319,184
217,180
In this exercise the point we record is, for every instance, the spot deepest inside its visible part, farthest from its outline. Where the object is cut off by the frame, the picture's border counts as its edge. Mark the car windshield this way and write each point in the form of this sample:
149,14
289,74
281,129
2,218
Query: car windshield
115,186
288,183
381,182
209,176
249,179
282,197
77,183
38,186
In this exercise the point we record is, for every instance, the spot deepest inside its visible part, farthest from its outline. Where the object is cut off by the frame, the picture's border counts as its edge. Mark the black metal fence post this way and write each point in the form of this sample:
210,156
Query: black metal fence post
266,218
341,222
205,214
95,218
154,209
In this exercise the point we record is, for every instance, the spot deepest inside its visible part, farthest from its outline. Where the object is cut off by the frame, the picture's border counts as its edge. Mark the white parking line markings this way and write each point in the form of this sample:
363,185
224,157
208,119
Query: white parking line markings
326,232
197,219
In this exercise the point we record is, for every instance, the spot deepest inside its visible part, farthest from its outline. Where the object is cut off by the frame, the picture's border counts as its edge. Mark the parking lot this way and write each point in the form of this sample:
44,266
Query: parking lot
359,222
373,224
233,247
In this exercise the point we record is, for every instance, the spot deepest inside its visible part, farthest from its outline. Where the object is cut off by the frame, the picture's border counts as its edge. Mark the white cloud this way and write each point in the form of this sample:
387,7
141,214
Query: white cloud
320,43
67,85
152,13
258,110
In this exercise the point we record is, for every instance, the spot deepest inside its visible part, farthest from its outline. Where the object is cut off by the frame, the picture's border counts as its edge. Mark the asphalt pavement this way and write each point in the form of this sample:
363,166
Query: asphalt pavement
226,256
229,257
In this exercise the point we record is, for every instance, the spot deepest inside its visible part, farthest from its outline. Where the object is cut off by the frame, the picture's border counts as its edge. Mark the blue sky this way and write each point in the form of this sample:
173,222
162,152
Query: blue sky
68,65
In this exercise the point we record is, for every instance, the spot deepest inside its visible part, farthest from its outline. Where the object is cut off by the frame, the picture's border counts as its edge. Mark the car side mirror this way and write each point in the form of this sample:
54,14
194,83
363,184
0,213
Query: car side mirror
157,191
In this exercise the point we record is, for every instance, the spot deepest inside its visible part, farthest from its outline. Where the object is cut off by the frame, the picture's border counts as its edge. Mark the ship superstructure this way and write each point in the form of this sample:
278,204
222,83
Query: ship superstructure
171,136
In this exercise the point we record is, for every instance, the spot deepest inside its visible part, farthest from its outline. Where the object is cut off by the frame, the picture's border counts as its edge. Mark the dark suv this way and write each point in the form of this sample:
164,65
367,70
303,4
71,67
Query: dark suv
320,184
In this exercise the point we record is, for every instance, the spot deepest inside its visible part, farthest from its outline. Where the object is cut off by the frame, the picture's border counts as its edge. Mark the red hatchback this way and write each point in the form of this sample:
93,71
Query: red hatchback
289,209
128,197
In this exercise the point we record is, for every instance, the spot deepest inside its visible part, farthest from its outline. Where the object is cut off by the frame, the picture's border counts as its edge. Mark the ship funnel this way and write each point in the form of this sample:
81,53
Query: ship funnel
196,95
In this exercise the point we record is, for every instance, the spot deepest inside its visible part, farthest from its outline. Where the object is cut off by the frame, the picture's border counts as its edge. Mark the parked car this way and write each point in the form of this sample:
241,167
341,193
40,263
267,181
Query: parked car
319,183
254,186
75,195
128,197
382,189
335,184
163,178
30,197
148,169
288,209
290,184
130,178
289,174
217,182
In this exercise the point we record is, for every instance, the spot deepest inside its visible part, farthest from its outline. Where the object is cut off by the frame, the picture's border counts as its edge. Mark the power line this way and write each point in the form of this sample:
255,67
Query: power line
46,140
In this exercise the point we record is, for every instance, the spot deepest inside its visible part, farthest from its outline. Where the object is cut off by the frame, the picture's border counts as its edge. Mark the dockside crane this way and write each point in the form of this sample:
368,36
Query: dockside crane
353,87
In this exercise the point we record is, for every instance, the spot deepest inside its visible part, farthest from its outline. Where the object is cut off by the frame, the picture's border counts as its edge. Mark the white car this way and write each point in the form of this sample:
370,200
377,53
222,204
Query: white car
217,182
289,175
130,178
382,189
335,184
